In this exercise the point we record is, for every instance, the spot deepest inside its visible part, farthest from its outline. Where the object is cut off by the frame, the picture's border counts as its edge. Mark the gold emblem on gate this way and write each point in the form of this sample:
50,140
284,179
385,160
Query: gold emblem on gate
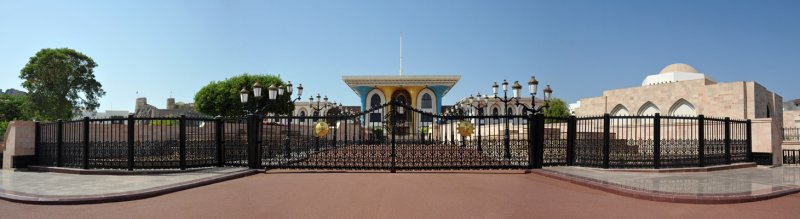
465,128
321,129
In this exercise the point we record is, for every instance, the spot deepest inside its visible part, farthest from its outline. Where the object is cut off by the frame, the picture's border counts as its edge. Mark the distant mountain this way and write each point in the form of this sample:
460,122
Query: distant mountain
12,91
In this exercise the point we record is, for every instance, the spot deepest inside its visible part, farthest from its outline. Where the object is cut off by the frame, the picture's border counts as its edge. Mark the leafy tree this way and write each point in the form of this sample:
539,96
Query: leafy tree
12,107
61,82
222,97
558,108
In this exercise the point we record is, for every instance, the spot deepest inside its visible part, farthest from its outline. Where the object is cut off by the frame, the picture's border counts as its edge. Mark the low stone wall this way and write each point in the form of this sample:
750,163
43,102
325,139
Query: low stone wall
791,145
19,144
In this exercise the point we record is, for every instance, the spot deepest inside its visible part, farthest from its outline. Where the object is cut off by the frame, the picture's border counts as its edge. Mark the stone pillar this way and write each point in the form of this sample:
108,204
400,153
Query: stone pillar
767,139
19,145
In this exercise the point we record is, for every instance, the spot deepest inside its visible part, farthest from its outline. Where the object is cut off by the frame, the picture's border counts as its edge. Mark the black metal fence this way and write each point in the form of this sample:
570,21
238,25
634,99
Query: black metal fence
790,134
657,141
141,143
791,156
394,137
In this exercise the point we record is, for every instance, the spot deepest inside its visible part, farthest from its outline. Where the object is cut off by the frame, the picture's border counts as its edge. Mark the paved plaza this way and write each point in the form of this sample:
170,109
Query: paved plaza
400,195
754,181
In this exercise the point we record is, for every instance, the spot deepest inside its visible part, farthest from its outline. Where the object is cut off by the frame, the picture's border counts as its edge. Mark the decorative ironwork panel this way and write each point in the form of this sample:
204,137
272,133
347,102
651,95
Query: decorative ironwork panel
589,142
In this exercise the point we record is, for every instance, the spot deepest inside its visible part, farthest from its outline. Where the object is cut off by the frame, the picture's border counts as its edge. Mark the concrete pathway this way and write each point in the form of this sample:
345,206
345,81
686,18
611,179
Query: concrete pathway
737,185
44,186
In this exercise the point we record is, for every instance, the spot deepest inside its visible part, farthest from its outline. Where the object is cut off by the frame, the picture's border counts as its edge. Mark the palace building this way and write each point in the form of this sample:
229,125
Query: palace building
680,90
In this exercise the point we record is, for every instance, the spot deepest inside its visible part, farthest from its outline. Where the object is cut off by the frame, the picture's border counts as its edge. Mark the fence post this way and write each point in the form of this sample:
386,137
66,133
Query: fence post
37,142
182,141
532,155
219,130
571,135
657,141
131,127
606,140
252,138
701,141
288,142
727,140
335,130
59,143
749,141
479,120
539,143
86,142
507,139
393,129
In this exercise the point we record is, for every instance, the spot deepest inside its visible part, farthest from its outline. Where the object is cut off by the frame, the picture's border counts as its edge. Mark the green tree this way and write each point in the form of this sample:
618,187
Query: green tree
222,97
61,82
558,108
12,107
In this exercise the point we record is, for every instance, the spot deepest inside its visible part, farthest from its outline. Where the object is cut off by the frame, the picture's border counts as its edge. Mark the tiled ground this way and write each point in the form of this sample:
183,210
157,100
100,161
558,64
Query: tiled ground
746,181
60,184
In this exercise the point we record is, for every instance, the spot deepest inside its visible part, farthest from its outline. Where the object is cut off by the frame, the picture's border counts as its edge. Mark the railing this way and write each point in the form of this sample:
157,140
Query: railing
357,142
140,143
791,156
658,141
790,134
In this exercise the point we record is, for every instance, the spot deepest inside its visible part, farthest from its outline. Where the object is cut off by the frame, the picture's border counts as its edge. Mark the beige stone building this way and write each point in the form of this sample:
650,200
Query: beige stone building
791,114
680,90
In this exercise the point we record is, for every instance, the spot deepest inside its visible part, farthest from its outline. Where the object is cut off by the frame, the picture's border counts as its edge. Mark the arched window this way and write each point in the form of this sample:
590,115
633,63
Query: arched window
682,108
427,101
495,113
375,116
648,109
375,100
302,116
509,111
620,110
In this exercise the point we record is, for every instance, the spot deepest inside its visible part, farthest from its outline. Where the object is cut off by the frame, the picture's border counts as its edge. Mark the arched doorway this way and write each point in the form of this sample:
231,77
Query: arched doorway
403,98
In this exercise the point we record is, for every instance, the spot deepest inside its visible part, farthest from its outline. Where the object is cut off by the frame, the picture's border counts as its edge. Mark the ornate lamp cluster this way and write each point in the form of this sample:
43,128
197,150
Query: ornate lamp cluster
273,91
533,85
321,103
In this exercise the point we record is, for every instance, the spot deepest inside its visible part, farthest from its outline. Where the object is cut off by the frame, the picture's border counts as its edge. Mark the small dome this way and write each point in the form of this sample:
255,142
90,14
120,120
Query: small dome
678,67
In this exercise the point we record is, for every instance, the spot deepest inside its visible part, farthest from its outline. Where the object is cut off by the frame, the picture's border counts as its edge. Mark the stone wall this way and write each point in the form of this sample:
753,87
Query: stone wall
19,144
737,100
791,118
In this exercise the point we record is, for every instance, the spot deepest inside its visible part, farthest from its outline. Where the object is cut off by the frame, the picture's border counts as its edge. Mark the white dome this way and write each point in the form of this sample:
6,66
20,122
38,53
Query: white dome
678,67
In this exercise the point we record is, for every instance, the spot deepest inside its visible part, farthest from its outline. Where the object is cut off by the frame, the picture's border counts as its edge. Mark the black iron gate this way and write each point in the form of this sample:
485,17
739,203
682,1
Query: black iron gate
396,136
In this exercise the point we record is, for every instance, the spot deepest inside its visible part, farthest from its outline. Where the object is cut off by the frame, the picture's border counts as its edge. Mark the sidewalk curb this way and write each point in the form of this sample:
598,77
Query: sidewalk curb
668,197
122,196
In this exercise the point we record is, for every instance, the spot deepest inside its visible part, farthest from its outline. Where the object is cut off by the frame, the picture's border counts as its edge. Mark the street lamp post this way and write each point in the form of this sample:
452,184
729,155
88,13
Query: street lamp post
454,112
479,104
533,85
505,100
273,91
536,156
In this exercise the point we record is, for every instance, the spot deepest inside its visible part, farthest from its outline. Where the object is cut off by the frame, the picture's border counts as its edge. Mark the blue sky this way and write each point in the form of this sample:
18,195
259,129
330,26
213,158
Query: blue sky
160,48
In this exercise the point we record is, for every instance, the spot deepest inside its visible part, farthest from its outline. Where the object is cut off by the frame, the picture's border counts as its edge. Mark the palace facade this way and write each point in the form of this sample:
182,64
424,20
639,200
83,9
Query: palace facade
680,90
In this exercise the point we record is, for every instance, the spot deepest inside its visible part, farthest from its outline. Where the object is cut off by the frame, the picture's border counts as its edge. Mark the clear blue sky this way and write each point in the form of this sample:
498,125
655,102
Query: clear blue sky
580,47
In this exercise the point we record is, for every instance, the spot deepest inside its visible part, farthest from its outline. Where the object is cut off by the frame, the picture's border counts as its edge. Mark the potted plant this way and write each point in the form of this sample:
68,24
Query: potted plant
423,131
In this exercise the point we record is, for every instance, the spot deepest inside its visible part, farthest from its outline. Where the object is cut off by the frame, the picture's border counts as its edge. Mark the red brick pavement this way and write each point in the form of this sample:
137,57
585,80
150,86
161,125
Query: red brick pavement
400,195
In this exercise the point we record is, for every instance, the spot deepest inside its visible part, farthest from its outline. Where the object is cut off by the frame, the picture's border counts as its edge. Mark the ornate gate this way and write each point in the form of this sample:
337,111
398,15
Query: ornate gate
396,136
